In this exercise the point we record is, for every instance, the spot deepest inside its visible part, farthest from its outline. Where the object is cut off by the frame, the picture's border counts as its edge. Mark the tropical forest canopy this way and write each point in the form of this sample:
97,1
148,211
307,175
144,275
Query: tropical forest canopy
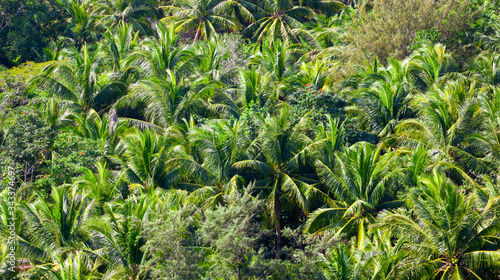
249,139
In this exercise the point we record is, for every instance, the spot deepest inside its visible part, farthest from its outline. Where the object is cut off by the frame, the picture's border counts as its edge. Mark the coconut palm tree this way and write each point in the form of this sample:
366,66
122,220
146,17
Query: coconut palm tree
315,75
429,65
329,140
278,19
208,59
207,169
381,104
118,232
243,10
101,186
327,38
487,139
55,227
103,129
204,17
75,78
486,69
81,23
277,61
489,40
160,53
254,87
168,101
328,7
74,266
143,155
447,116
365,77
363,182
277,165
137,13
446,235
116,46
379,258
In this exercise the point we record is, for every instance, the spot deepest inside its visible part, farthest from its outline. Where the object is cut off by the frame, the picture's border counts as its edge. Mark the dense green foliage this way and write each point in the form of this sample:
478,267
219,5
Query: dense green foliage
249,139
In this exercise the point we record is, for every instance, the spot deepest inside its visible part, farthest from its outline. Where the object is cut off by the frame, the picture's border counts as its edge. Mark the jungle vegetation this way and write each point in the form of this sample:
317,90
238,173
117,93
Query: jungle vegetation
249,139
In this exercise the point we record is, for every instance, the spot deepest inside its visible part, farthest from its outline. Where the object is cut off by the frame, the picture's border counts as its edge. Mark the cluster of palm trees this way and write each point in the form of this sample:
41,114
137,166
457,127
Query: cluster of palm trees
88,20
421,203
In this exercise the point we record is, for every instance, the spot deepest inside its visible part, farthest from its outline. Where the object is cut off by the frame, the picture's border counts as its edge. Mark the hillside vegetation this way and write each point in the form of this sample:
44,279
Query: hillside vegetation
249,139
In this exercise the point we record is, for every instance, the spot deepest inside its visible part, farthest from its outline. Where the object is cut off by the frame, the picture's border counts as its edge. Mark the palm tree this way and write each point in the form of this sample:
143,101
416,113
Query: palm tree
489,41
55,110
429,65
328,39
486,69
416,162
101,186
116,46
487,139
243,10
254,87
278,19
328,7
314,74
119,232
342,263
208,168
277,163
160,53
379,258
488,192
329,140
137,13
168,101
104,130
384,102
447,116
277,61
208,59
365,77
363,182
75,78
446,236
144,155
205,17
57,227
75,266
81,23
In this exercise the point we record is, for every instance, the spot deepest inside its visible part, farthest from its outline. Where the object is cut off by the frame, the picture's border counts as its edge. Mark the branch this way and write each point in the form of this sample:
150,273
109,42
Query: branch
4,24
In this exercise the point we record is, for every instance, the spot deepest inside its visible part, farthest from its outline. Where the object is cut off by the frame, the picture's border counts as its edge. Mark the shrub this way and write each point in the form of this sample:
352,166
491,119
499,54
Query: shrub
69,154
26,144
387,28
316,102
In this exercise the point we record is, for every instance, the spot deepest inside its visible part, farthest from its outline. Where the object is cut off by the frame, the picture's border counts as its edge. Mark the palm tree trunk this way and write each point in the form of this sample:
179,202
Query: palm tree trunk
278,241
134,272
277,210
197,35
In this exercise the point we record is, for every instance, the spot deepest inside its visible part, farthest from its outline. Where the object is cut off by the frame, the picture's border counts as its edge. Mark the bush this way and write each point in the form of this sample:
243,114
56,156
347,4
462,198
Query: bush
27,28
252,117
388,28
316,102
14,84
172,249
69,154
26,144
233,49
